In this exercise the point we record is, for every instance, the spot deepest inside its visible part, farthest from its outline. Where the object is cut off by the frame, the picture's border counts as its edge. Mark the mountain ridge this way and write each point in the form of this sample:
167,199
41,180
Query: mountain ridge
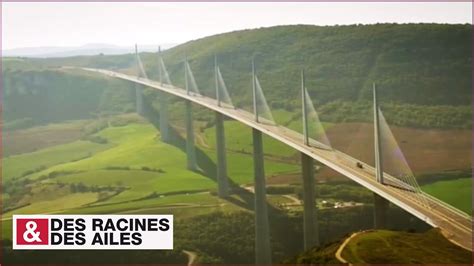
86,49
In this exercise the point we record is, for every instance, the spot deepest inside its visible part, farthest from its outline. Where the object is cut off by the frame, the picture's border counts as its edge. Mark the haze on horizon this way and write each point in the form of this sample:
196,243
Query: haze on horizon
123,24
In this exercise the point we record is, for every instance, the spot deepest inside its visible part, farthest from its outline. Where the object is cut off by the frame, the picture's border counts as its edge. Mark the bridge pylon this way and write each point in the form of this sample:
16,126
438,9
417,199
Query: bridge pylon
254,90
160,71
190,148
262,230
380,212
138,88
304,110
377,139
310,221
218,93
380,203
186,81
163,107
222,181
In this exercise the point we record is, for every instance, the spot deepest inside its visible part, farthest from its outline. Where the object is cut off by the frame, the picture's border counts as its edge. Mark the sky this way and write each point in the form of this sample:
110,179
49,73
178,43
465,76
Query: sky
75,24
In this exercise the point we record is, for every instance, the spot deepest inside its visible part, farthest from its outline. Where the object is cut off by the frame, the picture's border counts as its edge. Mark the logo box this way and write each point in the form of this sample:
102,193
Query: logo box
86,232
39,234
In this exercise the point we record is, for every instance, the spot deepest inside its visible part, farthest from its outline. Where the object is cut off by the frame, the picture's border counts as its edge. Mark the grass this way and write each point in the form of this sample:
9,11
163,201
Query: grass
317,255
401,247
159,202
457,193
181,206
277,200
122,163
239,151
18,165
62,203
240,167
239,139
135,147
282,117
141,183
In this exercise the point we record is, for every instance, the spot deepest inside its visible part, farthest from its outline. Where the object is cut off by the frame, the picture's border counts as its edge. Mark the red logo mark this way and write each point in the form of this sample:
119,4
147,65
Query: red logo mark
32,231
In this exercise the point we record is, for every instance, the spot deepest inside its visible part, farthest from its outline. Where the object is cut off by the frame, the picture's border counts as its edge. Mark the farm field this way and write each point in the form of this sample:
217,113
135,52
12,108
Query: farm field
457,192
182,206
139,184
26,164
240,167
41,137
132,170
56,205
239,139
426,150
137,146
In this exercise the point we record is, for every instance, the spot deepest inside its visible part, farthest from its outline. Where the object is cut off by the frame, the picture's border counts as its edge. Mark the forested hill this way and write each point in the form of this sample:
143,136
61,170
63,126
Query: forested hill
424,64
418,68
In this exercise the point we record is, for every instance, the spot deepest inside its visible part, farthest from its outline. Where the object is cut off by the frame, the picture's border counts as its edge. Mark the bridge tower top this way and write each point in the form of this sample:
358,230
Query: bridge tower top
218,94
136,59
254,90
186,83
377,138
159,66
304,109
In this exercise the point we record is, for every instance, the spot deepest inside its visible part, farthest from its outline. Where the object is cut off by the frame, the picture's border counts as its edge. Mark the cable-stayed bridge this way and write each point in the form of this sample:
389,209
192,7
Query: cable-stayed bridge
401,190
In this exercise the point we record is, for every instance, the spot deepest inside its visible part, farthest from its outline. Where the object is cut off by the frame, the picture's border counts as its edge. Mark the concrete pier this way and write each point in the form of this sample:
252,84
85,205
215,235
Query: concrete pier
190,148
380,212
222,182
310,224
139,100
164,123
262,230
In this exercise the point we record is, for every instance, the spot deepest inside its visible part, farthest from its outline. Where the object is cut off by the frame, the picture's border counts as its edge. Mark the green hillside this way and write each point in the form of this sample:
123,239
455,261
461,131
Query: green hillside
132,165
384,247
406,248
40,95
444,190
407,62
423,72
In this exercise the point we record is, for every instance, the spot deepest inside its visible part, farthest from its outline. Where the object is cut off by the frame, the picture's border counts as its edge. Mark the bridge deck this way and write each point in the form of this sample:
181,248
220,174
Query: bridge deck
454,224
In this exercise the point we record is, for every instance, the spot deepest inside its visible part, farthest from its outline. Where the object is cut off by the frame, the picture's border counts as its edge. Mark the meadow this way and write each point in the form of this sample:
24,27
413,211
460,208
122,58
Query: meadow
41,137
426,150
132,170
457,192
26,164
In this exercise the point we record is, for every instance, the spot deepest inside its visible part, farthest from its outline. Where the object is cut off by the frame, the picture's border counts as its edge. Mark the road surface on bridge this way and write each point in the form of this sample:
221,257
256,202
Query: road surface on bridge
454,224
